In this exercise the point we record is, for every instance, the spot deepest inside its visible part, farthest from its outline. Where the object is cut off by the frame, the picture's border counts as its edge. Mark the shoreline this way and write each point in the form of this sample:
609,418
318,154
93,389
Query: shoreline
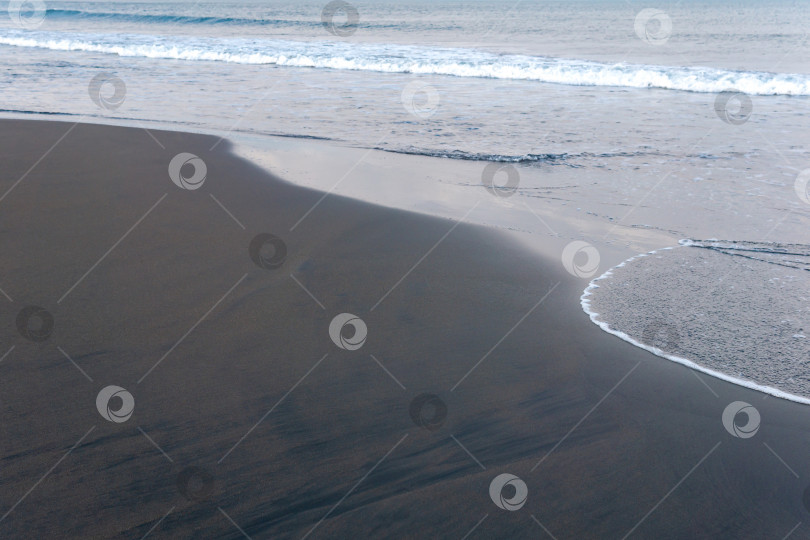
533,244
516,234
234,372
449,192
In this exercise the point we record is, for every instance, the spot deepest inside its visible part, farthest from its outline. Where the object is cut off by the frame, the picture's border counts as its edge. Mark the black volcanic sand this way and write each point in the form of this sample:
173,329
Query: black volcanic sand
339,448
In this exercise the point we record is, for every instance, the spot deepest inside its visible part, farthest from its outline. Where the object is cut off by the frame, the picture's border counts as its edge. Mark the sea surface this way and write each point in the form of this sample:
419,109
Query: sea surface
528,81
689,118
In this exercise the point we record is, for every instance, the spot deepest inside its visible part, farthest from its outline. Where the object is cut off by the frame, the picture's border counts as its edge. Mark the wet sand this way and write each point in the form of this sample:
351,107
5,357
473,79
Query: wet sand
247,415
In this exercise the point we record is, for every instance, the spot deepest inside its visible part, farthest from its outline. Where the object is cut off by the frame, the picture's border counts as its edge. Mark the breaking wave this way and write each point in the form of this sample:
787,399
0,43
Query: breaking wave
390,58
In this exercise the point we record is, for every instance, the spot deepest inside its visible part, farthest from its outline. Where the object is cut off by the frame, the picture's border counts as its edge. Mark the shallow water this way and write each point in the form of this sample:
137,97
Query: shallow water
738,310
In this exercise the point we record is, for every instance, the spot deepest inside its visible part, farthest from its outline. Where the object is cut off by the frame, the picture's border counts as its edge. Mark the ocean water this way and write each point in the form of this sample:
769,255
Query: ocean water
530,81
689,119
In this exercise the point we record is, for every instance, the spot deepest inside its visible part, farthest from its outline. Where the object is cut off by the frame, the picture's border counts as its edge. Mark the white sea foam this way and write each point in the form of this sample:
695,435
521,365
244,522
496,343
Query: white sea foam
413,59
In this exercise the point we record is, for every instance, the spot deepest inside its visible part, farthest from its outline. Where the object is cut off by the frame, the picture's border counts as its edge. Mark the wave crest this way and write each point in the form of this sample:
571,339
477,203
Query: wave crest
389,58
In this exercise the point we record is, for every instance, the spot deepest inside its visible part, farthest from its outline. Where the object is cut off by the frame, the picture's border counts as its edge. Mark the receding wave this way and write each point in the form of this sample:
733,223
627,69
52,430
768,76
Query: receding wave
478,156
565,158
391,58
789,255
736,310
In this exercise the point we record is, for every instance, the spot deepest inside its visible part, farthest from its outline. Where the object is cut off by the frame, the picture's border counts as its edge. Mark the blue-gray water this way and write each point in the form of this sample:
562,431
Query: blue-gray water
481,80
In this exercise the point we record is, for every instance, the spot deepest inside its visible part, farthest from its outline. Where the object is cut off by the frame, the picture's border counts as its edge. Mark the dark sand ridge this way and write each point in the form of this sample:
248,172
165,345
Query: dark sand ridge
335,426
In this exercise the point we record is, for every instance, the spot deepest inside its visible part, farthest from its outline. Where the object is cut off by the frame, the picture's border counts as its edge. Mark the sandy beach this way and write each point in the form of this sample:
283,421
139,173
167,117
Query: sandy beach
250,420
